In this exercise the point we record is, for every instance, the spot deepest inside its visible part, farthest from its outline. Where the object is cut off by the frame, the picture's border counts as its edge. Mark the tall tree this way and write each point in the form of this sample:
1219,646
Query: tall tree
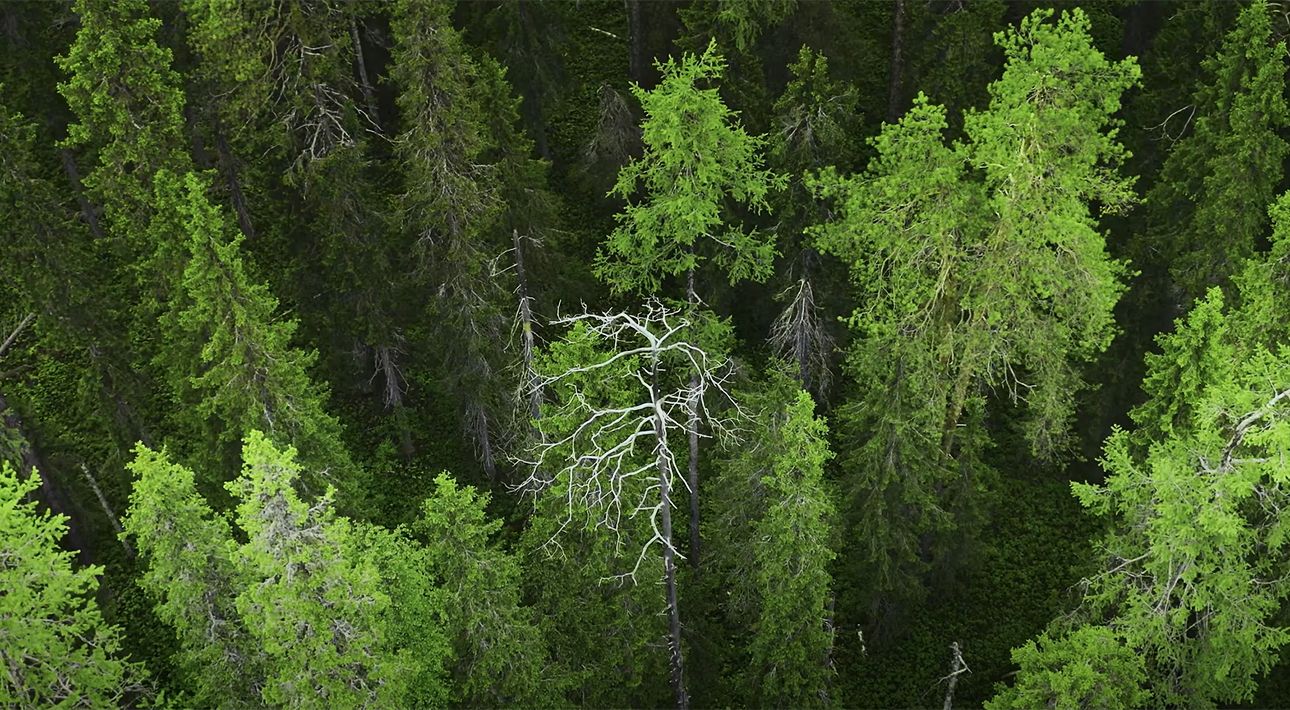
816,121
191,570
451,209
316,614
771,517
1207,211
500,656
697,162
57,651
971,285
233,363
612,461
1196,495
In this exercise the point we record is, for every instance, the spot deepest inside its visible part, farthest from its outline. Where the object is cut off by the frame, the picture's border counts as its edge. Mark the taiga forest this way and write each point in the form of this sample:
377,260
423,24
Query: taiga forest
644,354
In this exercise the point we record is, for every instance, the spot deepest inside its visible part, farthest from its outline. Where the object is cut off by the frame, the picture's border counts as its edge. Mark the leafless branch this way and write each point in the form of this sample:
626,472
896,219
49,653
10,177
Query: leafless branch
4,347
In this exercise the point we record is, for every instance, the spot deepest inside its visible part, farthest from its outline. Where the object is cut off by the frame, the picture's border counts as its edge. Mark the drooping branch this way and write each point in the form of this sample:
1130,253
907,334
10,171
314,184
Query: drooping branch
799,334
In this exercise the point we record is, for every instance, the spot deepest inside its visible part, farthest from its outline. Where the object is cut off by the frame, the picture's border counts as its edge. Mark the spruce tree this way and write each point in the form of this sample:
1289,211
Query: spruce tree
970,285
57,651
1207,210
771,521
316,614
192,572
499,653
697,164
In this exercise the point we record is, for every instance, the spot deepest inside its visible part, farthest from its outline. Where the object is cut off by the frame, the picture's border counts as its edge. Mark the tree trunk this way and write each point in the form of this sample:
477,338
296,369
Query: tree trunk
526,329
636,36
957,668
88,213
369,96
234,187
693,428
676,659
107,510
485,445
895,78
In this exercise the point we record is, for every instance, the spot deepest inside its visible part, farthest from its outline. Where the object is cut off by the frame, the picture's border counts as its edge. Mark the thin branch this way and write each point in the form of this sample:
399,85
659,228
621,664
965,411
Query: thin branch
16,332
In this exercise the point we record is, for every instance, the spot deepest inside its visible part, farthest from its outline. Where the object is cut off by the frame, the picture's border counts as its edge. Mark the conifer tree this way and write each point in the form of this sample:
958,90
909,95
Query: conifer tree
191,570
451,207
414,621
1195,563
606,451
697,162
499,652
316,614
816,119
245,376
967,286
57,652
771,527
1206,210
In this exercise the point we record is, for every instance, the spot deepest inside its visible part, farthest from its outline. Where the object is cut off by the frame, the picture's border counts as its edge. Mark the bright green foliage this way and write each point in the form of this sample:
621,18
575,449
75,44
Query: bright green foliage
696,160
129,103
316,614
55,650
1208,207
191,571
246,375
1194,572
969,285
1090,668
771,533
499,652
414,621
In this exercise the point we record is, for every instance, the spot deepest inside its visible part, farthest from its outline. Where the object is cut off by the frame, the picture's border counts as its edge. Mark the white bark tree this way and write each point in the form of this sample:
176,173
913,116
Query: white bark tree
624,386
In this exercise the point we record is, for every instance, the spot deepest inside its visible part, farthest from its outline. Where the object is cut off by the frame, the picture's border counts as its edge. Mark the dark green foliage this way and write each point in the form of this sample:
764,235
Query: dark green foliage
1208,207
327,248
770,529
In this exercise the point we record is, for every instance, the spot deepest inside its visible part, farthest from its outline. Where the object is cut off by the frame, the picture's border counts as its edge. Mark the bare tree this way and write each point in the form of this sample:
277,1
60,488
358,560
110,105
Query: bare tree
800,335
616,461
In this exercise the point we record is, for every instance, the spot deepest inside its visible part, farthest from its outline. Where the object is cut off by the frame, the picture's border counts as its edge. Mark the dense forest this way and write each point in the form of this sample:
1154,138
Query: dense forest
644,353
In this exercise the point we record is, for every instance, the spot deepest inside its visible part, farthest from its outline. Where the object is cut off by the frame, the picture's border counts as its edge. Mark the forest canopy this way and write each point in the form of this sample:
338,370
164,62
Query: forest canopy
695,353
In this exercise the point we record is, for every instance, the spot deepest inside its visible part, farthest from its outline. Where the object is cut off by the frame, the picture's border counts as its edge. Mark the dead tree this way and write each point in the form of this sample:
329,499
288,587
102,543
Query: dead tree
617,462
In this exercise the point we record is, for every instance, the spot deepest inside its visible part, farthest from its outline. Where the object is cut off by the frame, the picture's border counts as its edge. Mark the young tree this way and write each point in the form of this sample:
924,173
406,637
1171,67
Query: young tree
816,119
1207,210
967,285
57,651
770,522
191,569
612,461
230,361
499,654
